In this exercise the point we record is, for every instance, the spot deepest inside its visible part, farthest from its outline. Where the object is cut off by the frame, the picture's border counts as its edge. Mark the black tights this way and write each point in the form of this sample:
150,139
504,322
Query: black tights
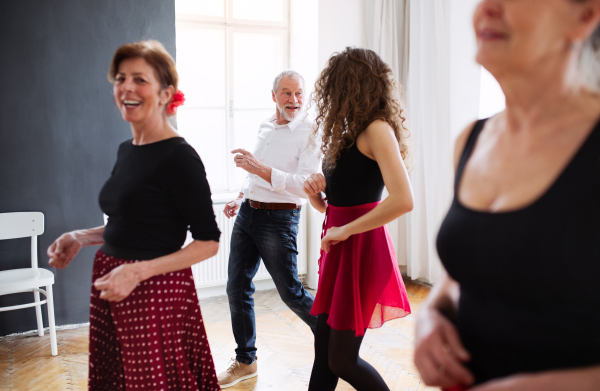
336,355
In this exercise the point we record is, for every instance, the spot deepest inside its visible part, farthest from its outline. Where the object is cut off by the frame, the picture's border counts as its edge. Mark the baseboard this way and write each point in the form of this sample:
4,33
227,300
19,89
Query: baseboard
46,329
212,291
203,293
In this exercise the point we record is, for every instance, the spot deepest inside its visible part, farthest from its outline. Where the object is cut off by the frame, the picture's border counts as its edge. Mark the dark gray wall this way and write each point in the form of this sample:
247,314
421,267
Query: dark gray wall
59,129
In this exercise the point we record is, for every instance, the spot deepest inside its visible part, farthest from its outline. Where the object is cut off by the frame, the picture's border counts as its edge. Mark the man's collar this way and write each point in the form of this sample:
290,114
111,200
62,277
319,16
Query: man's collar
292,124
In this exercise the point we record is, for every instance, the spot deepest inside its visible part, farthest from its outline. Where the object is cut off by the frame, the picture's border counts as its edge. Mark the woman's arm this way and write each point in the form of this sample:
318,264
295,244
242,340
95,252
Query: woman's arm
581,379
64,249
122,280
381,143
318,202
439,353
444,297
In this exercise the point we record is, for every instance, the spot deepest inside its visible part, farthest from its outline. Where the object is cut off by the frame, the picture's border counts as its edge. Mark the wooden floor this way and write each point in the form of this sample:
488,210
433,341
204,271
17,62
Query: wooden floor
285,351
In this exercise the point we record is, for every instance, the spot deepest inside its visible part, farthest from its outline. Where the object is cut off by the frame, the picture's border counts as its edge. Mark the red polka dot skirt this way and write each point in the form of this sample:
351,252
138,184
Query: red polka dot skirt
153,340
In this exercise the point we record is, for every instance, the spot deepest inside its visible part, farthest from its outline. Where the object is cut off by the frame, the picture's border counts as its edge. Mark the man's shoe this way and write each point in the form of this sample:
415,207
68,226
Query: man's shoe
237,372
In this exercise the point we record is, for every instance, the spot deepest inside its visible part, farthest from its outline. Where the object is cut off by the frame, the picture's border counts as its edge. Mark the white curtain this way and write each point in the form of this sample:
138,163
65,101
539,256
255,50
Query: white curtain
387,35
385,28
427,44
428,101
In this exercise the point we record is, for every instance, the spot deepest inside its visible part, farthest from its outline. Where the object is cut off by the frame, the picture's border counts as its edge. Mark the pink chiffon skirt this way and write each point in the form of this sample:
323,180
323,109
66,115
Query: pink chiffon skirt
360,285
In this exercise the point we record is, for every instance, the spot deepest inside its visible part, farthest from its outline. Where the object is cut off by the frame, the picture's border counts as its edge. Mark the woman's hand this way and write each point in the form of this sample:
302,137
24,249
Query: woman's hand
314,184
334,236
439,353
63,250
120,282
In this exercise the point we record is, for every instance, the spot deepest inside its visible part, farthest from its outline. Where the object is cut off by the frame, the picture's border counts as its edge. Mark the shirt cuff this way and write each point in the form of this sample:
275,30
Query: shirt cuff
277,180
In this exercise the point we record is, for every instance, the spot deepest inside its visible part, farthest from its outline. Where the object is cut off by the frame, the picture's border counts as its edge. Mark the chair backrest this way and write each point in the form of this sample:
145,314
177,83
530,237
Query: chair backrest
21,225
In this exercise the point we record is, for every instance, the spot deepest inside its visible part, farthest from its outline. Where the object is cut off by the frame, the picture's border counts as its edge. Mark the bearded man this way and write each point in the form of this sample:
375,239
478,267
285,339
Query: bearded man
266,226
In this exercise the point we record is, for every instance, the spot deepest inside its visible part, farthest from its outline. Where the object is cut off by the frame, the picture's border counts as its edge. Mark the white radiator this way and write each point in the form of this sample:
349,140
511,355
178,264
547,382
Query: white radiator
213,271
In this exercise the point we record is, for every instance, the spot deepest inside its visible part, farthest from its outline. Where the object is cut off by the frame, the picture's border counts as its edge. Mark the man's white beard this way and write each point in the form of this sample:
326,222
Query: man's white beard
285,115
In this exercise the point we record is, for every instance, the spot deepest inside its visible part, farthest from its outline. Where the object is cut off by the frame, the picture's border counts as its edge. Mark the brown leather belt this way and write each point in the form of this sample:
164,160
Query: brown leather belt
272,205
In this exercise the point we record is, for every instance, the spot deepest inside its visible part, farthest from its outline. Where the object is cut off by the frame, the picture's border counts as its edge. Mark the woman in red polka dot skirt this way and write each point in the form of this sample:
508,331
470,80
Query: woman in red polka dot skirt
146,328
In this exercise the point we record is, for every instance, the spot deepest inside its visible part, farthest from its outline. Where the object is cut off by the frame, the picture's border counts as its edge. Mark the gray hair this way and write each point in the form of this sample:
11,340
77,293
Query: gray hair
287,73
589,62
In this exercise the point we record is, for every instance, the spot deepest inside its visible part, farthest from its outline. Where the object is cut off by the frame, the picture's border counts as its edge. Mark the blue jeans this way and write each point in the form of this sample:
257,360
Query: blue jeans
270,235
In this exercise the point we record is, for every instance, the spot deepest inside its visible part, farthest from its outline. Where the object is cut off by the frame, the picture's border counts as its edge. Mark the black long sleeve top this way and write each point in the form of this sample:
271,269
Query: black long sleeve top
156,192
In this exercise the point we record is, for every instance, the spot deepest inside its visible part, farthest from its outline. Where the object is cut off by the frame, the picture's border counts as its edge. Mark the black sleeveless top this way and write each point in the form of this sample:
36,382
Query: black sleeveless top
529,278
355,180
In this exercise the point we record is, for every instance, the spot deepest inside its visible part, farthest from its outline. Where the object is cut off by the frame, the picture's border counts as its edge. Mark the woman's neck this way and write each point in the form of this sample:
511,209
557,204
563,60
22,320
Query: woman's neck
547,92
151,131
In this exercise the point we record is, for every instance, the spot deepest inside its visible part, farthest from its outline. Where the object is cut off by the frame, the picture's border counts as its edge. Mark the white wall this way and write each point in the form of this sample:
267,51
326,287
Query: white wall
304,40
304,58
465,73
341,23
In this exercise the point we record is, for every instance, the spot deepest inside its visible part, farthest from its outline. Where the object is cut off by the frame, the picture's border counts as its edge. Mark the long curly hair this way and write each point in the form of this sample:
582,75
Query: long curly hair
355,89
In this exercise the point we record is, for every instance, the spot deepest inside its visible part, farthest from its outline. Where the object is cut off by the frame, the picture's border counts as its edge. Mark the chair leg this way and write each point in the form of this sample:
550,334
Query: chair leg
50,303
38,314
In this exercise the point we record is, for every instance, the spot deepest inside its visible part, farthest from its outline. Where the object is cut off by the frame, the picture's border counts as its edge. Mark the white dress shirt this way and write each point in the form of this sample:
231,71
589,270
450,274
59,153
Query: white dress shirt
286,149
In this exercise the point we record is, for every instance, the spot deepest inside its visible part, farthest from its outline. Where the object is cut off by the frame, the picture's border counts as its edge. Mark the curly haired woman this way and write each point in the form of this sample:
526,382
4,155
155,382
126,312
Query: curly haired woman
360,287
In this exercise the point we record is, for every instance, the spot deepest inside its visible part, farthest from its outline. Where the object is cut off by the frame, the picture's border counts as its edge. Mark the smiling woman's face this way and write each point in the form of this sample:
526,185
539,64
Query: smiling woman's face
520,35
137,91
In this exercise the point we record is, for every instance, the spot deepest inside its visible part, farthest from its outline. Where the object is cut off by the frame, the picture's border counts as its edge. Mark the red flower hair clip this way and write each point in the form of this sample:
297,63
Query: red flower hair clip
177,100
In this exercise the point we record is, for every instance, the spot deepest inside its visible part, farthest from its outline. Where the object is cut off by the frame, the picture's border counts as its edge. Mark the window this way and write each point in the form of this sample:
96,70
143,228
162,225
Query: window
228,52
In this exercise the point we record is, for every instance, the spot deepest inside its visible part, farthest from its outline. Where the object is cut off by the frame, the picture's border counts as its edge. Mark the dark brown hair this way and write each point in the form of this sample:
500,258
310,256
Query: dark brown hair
355,89
155,54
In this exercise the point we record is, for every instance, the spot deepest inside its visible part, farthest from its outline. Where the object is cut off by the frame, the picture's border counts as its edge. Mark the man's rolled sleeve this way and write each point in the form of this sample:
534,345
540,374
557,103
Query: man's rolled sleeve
278,179
293,183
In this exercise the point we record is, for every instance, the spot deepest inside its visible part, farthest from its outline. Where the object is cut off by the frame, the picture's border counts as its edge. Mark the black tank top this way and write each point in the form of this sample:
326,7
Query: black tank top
355,180
529,278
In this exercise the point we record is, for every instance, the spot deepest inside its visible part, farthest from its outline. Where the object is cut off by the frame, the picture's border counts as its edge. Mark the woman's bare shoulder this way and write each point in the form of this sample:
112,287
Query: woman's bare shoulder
378,127
377,135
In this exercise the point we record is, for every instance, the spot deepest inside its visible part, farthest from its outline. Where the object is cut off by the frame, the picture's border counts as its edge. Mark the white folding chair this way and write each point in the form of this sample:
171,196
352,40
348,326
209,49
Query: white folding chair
22,225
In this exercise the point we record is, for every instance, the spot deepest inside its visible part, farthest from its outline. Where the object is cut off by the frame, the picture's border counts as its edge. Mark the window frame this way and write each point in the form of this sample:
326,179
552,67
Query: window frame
231,26
230,20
